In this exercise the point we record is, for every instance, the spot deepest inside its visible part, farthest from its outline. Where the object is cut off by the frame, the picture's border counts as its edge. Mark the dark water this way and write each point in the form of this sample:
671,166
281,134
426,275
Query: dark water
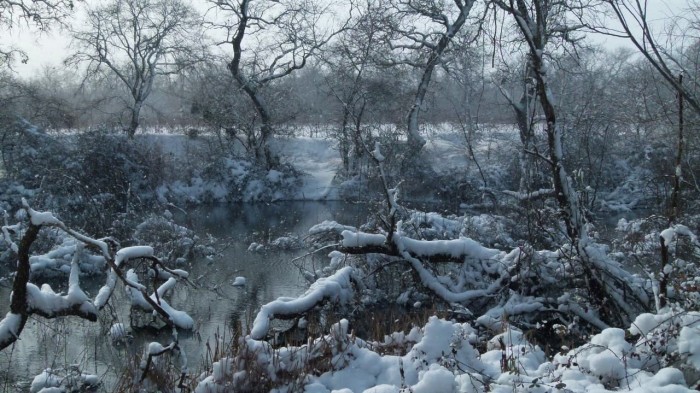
214,303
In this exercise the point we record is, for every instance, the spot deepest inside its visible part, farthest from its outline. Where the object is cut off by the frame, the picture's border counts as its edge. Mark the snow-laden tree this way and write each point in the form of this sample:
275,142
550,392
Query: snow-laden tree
136,41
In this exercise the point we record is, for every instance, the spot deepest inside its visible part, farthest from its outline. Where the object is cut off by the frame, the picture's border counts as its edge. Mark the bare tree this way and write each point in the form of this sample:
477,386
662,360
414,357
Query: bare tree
351,63
421,33
39,13
136,41
665,56
269,41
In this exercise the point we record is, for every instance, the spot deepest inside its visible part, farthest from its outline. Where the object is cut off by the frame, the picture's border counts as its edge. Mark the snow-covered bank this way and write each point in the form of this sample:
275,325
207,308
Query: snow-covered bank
441,357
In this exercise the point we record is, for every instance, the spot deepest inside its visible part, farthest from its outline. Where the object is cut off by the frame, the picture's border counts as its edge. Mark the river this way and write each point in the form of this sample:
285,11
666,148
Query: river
214,303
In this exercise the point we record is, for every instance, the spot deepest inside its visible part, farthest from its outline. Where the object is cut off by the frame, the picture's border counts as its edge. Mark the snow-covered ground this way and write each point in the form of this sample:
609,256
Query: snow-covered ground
318,158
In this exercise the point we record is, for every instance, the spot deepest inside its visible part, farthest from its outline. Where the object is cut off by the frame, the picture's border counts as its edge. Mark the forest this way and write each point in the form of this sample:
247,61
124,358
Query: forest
351,196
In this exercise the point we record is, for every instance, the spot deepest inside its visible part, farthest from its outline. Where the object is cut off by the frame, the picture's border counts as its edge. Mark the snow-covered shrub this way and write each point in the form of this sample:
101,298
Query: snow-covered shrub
443,356
175,242
231,179
64,380
640,247
89,179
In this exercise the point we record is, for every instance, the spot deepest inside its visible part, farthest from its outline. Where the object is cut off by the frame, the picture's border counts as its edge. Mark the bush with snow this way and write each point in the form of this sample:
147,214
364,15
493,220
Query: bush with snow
441,357
176,242
62,380
232,179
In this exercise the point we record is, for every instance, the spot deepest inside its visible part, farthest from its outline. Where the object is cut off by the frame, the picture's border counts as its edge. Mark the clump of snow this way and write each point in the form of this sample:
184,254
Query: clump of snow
239,281
360,239
117,332
256,247
330,226
9,326
40,218
689,344
47,379
289,242
61,381
376,153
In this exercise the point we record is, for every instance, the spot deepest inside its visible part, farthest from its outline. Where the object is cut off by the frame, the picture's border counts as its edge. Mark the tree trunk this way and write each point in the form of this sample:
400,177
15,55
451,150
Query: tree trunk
676,193
527,136
18,304
261,148
134,122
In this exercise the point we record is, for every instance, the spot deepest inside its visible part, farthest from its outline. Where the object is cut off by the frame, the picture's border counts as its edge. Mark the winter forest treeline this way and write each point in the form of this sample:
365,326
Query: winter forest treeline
162,105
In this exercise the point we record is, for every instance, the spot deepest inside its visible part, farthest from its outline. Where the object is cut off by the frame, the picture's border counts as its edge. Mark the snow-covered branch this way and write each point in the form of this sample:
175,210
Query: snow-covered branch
337,287
28,298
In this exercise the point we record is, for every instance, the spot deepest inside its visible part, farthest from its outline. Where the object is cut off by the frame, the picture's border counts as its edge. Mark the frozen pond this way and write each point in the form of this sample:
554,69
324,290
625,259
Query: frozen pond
215,304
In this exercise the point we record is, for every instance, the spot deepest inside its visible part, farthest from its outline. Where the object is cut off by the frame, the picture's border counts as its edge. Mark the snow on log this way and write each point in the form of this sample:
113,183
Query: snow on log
524,196
330,226
134,252
179,318
336,287
49,304
137,299
166,286
457,248
361,239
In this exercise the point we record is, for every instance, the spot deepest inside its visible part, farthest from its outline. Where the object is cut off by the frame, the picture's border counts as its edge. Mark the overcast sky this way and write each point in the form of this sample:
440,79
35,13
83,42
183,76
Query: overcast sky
50,48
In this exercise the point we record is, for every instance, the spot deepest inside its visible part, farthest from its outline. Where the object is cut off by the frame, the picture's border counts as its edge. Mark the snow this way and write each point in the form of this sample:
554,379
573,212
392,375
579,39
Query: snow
155,348
330,226
463,247
9,326
50,303
134,252
117,332
645,323
318,159
137,298
47,379
689,344
122,256
179,318
238,282
359,239
668,234
61,381
40,218
336,287
377,152
440,356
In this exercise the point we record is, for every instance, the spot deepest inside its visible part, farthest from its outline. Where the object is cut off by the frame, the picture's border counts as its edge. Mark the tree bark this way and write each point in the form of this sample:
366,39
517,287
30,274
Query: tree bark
18,304
134,121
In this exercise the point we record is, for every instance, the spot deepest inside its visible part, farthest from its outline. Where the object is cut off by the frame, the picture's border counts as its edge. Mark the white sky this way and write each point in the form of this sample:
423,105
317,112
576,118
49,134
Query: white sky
50,48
